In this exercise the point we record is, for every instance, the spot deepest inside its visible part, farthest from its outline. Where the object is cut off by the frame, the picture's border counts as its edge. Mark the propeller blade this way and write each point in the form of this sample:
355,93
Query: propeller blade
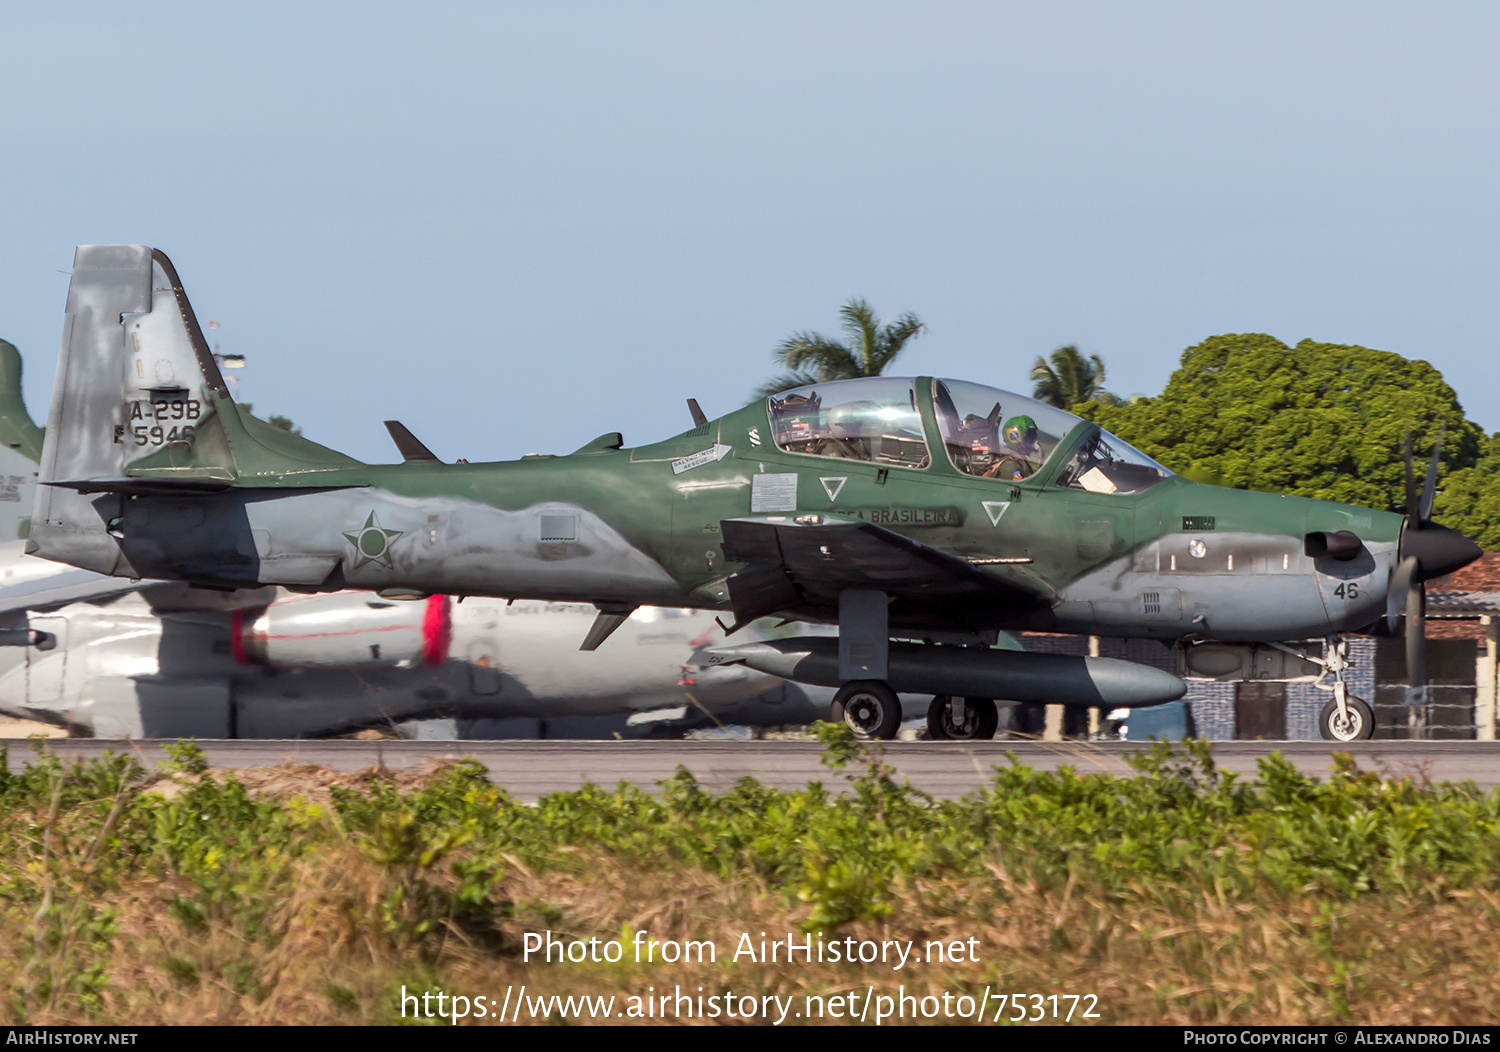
1396,592
1429,486
1416,635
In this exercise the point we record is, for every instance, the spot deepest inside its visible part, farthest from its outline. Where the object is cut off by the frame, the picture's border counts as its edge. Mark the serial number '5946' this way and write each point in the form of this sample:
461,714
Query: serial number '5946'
170,421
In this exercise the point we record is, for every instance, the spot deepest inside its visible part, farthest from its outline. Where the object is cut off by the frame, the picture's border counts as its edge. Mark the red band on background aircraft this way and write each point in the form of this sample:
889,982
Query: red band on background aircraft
437,629
437,632
237,638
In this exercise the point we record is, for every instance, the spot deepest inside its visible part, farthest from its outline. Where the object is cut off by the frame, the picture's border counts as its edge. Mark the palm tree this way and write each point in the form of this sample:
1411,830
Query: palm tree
814,358
1070,379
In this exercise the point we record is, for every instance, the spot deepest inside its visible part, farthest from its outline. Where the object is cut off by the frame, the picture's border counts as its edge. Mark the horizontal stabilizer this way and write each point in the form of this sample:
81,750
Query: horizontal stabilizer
410,447
142,487
169,486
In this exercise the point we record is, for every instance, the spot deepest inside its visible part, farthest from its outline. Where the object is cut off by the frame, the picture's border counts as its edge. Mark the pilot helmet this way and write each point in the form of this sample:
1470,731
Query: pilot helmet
1020,433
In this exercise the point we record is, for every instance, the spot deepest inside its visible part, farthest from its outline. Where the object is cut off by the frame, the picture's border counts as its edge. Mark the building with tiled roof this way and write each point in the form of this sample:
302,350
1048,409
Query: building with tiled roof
1458,603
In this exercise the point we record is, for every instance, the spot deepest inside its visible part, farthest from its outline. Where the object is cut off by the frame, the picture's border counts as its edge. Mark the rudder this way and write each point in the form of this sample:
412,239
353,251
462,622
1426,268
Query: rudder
109,282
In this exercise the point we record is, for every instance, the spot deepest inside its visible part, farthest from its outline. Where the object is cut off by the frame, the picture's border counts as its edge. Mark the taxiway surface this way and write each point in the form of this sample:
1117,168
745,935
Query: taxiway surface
531,769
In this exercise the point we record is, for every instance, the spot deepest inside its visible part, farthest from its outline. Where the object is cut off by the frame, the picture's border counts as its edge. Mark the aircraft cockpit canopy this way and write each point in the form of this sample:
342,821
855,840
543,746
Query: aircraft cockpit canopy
1000,435
986,432
996,434
874,419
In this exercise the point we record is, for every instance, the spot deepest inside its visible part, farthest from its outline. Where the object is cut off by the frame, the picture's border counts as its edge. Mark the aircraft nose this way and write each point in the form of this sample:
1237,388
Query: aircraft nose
1437,549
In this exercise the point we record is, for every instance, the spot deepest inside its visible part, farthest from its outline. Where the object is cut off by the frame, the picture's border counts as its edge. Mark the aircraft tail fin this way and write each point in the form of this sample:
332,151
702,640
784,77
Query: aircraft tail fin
17,430
139,395
20,448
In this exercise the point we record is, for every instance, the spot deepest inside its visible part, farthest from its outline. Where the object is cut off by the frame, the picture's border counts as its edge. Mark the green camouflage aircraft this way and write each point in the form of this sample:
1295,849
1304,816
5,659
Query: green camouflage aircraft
921,516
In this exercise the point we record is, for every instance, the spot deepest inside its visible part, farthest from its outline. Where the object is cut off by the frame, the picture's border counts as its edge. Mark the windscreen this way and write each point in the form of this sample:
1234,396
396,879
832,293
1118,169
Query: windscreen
1103,463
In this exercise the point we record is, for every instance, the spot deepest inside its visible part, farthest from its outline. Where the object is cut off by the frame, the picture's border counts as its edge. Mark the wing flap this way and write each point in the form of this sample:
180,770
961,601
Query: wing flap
815,562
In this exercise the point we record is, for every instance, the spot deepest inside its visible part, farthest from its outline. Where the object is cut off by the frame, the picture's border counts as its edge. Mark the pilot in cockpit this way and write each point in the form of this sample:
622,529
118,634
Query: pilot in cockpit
1021,452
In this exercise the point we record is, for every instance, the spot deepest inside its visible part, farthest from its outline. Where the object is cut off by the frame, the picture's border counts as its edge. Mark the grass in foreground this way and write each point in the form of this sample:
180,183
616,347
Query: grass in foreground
1182,895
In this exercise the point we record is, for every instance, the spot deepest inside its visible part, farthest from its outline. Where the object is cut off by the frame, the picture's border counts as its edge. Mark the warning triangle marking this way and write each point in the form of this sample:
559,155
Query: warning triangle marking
831,486
994,509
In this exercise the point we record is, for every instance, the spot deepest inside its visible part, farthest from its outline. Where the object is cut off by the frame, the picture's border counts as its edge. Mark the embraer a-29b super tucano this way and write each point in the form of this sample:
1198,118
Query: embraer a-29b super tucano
921,516
115,658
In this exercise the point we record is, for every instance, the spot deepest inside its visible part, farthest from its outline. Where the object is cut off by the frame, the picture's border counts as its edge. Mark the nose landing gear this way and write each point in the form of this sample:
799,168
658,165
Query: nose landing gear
1355,723
1345,718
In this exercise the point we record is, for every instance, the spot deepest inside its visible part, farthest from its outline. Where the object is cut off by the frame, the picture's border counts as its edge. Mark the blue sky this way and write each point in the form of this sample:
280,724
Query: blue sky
516,226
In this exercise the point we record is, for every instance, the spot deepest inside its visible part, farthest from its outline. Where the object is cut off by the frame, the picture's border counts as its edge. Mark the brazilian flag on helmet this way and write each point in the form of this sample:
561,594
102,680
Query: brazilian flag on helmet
1020,432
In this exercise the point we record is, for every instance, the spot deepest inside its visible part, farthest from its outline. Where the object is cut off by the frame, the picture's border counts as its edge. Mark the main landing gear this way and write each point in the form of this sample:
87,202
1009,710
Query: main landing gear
869,707
872,710
866,701
962,719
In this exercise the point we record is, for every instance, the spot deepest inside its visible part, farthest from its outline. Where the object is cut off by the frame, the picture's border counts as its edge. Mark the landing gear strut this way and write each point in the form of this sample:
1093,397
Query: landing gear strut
963,719
865,701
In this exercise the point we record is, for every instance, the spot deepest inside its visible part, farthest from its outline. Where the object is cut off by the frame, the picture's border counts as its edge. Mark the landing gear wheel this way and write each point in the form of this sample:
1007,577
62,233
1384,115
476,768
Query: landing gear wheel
980,719
1358,727
869,707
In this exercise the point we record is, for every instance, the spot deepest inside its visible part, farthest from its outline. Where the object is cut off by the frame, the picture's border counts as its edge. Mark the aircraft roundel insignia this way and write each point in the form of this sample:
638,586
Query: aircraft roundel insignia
372,543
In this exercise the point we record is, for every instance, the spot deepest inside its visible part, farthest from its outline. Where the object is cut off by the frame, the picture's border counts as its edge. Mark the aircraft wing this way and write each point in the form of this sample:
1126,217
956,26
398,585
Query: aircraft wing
796,565
29,583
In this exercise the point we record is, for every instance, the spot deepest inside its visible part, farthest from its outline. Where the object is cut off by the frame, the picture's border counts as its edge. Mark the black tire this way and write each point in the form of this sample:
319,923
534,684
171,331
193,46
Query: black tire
869,708
981,718
1361,724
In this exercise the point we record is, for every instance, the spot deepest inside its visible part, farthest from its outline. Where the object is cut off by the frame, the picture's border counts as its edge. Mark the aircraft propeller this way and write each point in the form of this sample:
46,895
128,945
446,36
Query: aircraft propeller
1427,551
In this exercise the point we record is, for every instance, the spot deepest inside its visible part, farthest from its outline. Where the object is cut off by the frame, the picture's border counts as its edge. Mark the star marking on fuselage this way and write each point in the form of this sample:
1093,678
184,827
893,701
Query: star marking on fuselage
372,544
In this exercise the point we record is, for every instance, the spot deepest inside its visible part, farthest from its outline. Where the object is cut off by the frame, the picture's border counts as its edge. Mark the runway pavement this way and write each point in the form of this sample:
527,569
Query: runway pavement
530,769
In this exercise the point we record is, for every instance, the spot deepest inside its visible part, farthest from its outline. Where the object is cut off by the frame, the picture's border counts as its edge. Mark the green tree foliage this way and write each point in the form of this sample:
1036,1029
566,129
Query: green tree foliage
1319,420
1470,498
814,358
188,896
1069,379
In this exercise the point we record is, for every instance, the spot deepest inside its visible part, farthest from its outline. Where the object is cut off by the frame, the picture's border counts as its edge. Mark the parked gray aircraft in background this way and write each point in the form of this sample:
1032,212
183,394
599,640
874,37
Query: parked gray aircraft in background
118,658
